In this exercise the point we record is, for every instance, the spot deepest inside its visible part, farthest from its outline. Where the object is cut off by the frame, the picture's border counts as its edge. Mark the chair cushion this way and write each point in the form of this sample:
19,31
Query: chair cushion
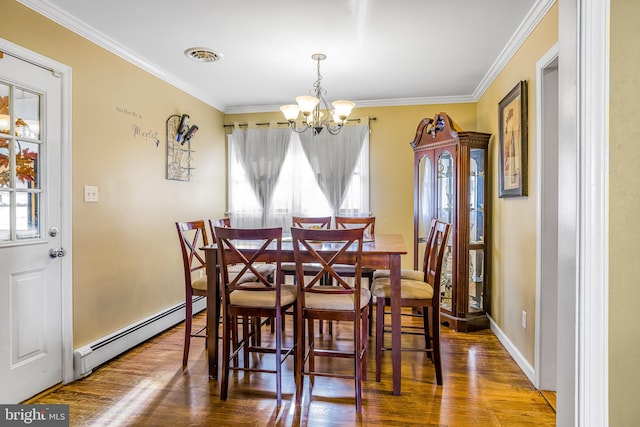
409,289
417,275
266,269
267,299
327,301
200,284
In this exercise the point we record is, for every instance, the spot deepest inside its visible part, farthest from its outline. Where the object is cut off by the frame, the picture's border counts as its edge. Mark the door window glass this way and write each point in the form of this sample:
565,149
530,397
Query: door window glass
20,163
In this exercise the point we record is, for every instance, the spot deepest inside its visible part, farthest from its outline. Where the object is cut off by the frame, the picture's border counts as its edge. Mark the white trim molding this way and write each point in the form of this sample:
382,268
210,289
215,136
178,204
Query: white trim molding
593,218
49,10
583,384
513,350
92,355
53,12
64,73
543,299
533,18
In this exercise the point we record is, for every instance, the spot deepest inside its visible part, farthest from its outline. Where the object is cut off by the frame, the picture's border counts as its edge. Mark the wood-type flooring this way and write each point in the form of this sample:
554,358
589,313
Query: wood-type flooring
146,386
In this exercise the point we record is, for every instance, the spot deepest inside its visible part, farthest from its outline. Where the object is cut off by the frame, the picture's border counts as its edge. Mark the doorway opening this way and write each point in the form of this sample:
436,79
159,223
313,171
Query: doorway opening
547,223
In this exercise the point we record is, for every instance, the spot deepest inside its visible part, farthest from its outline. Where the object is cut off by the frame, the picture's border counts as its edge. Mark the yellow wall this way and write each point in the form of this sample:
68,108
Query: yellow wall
126,262
513,256
624,205
391,159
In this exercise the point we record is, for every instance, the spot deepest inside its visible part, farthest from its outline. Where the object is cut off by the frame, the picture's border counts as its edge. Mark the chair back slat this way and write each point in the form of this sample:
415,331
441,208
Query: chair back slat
230,240
193,236
220,222
434,256
322,222
328,248
427,249
367,222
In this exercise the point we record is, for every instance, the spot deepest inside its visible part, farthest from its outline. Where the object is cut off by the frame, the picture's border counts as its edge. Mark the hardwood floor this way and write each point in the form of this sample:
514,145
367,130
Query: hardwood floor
146,386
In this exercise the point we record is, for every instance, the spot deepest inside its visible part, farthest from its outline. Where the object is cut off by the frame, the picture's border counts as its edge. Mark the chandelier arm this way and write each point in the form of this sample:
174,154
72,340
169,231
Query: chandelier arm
297,129
334,131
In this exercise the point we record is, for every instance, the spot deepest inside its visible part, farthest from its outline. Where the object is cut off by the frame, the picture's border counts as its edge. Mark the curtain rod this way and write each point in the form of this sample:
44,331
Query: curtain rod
286,123
53,71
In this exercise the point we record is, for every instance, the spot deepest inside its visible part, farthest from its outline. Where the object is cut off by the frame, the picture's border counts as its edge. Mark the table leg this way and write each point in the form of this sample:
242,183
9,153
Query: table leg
396,331
213,313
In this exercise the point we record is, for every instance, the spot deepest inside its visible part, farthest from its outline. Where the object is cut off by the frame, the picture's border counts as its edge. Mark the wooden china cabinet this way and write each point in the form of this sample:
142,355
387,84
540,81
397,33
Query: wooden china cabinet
451,184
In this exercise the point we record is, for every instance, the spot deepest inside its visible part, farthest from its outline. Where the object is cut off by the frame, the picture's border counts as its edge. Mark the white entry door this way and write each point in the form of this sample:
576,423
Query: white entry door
31,353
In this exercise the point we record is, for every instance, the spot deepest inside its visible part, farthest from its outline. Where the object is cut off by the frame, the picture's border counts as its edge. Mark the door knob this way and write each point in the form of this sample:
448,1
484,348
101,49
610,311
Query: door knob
55,253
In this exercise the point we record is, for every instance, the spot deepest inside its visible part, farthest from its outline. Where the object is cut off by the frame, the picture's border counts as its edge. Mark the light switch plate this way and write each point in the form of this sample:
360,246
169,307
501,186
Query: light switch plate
90,194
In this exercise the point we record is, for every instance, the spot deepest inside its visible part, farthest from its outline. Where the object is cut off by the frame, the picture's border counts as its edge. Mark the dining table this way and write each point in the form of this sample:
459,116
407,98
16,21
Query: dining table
381,251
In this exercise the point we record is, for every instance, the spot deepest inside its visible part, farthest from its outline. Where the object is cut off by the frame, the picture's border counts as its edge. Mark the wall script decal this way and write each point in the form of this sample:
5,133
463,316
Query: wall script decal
137,130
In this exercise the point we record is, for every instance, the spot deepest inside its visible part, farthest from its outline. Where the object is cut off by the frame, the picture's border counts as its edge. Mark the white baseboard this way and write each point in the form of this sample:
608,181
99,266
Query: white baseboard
89,357
526,367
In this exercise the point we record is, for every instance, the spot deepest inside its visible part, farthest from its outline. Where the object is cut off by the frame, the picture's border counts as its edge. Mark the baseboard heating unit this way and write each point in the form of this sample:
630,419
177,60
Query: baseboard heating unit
89,357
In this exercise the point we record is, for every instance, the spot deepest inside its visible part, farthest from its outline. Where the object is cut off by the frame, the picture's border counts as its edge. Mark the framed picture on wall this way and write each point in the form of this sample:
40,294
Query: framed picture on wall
513,114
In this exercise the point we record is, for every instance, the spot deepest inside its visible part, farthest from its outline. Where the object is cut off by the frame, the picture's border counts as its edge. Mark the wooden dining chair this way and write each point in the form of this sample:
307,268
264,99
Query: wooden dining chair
267,269
192,236
261,298
423,294
407,273
340,302
220,222
315,222
369,225
368,222
416,275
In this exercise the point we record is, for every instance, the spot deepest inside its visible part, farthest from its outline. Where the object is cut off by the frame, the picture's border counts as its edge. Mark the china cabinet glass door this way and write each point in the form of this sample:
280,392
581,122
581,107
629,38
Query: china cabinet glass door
426,204
446,207
476,230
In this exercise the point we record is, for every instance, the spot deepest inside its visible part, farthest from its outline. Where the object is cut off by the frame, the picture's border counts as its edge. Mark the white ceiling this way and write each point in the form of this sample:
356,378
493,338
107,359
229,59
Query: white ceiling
379,52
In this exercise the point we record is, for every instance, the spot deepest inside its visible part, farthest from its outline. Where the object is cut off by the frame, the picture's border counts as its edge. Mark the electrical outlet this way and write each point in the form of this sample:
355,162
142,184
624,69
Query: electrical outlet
524,319
90,194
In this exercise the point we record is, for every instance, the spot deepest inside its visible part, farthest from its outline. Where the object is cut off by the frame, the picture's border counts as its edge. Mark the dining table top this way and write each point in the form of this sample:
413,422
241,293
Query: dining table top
380,245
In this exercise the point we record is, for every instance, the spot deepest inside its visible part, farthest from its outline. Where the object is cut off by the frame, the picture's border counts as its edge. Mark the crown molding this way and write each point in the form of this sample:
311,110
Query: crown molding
45,8
61,17
533,18
395,102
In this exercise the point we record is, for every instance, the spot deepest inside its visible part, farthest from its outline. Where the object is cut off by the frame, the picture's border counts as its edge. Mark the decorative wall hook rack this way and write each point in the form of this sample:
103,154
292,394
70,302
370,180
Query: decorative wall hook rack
179,153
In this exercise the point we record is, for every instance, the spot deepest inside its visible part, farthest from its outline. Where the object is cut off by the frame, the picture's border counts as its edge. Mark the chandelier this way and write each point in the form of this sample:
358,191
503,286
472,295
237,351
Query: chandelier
315,110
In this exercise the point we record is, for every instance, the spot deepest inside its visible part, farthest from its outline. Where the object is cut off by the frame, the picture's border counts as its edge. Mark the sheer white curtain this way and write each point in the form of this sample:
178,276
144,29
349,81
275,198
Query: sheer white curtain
333,159
296,192
261,153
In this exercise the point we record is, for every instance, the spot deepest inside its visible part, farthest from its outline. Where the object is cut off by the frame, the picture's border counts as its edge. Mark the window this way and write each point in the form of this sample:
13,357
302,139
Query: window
296,191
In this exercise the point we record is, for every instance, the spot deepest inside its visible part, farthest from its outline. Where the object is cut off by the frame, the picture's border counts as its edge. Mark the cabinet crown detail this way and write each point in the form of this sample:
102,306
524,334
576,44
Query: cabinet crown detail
441,129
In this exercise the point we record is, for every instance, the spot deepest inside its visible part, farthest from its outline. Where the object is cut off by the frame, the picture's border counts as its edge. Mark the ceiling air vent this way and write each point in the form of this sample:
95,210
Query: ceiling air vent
202,54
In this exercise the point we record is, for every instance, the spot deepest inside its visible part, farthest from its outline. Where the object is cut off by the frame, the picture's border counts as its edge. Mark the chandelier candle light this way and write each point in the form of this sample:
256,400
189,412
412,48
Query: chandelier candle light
310,106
